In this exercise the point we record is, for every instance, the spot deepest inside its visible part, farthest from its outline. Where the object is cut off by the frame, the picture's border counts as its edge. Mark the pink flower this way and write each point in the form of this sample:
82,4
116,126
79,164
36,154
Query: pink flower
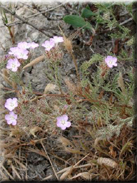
19,53
11,118
48,45
13,51
111,61
63,122
57,39
23,45
22,54
13,64
33,45
11,103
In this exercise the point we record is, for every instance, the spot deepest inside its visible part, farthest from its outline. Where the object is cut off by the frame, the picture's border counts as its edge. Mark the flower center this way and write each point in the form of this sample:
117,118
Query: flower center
63,122
11,104
12,117
13,65
110,61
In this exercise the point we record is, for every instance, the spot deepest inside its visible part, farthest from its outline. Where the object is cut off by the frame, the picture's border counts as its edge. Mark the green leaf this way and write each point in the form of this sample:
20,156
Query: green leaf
77,21
86,13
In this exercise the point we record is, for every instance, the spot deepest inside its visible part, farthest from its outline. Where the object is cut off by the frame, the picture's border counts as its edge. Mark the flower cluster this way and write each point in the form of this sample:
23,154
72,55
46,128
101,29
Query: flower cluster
63,122
11,104
19,52
52,42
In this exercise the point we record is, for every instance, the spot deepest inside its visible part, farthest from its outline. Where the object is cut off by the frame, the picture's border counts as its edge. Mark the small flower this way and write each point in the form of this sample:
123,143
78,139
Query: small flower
19,53
111,61
13,51
57,39
23,45
22,54
11,103
11,118
33,45
13,64
63,122
48,45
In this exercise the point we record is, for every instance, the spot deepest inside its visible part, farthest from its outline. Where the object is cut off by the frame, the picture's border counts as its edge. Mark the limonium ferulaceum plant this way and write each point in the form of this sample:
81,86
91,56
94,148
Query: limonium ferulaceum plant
21,51
57,39
11,104
111,61
62,122
11,118
48,45
13,64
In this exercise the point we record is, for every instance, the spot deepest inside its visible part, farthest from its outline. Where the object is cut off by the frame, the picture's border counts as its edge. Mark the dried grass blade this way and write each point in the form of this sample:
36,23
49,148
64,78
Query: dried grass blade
7,172
42,153
4,177
84,175
68,172
121,83
71,86
35,61
125,148
15,172
23,166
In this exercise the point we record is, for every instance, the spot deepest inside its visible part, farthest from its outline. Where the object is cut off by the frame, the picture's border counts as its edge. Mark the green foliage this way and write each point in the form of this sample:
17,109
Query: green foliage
86,13
95,58
77,21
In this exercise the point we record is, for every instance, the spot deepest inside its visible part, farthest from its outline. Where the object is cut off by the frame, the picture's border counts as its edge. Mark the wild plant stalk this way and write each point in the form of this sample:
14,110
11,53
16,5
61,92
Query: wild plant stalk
5,21
68,46
76,66
57,76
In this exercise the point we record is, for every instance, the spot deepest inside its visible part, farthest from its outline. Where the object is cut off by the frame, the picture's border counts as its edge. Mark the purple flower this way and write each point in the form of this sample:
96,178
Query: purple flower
19,53
23,45
57,39
11,118
111,61
22,54
13,64
48,45
11,103
33,45
13,51
63,122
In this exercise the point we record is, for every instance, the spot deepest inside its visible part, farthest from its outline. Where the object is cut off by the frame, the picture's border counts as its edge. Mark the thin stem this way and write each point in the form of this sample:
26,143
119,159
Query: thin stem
76,66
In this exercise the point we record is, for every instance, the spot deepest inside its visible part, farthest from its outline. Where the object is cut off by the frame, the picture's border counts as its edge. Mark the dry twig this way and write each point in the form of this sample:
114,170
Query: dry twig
26,21
50,161
31,16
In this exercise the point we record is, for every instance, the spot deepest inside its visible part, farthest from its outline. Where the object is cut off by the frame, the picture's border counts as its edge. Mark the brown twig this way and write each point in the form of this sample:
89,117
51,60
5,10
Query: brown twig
31,16
25,21
50,161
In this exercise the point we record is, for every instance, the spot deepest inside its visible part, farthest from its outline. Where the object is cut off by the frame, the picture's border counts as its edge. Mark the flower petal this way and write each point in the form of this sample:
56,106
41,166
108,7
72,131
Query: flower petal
65,117
68,124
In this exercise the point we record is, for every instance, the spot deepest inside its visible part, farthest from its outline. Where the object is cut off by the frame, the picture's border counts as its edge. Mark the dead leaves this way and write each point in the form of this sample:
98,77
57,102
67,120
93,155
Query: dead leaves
49,88
34,130
68,146
107,161
72,87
